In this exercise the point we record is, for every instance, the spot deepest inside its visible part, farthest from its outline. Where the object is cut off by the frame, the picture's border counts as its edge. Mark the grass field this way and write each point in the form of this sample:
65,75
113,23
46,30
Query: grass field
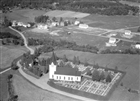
112,22
29,92
9,53
24,15
4,85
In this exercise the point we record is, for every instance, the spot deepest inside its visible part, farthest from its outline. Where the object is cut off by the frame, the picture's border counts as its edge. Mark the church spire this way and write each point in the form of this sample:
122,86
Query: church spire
53,58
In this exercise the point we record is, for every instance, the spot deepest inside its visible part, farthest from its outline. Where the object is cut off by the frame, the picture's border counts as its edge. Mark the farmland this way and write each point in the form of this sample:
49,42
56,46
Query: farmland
112,22
9,53
125,62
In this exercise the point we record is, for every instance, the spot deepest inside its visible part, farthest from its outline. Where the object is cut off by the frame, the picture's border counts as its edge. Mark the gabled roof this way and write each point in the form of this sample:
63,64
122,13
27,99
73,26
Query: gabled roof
67,71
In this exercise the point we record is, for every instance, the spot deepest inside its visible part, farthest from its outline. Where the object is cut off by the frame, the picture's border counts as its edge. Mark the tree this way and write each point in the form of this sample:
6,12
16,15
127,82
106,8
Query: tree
54,19
74,60
77,60
95,75
61,64
102,76
6,22
85,63
65,58
10,76
139,29
61,19
108,78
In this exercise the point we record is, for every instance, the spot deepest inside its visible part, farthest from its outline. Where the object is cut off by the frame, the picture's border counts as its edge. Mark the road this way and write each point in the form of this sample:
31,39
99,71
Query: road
25,43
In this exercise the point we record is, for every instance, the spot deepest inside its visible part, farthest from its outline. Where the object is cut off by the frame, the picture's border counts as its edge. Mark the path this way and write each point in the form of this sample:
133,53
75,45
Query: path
5,70
25,41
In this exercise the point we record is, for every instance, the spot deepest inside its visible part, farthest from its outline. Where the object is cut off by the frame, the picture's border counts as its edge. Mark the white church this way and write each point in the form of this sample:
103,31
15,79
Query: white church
64,73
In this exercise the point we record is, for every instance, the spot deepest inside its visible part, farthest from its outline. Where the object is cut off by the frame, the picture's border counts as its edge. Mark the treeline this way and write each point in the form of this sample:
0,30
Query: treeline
97,7
62,44
8,38
125,51
12,96
104,8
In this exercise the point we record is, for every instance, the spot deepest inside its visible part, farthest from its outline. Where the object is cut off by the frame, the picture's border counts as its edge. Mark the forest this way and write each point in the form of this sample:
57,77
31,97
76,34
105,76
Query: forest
97,7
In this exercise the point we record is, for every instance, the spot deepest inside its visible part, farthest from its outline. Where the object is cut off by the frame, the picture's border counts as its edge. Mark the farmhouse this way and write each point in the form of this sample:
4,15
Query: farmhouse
76,22
85,26
112,42
127,34
137,46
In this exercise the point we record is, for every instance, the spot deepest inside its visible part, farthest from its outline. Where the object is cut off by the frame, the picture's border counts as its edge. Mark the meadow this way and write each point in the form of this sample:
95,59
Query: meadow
28,92
112,22
9,53
24,15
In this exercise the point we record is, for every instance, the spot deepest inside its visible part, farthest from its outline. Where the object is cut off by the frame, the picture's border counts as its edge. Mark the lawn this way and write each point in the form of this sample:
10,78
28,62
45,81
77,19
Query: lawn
112,22
28,92
9,53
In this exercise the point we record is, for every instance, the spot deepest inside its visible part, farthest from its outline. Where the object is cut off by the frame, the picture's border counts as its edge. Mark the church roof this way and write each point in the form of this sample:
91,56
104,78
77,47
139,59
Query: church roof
67,71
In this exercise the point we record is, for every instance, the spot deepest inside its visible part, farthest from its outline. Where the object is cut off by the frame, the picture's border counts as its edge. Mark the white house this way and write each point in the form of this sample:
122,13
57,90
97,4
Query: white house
137,46
64,73
14,23
85,26
76,22
55,23
112,42
127,34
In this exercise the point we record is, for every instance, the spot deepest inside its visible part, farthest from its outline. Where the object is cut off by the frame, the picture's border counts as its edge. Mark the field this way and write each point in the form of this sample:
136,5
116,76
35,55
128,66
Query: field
66,14
9,53
112,22
24,15
4,85
28,92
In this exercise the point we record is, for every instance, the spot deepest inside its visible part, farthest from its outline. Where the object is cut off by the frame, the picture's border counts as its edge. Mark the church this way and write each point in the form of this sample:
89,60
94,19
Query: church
65,73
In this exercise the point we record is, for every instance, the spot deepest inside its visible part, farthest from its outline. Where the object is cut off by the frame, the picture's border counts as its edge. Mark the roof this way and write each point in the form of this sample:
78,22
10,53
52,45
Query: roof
67,71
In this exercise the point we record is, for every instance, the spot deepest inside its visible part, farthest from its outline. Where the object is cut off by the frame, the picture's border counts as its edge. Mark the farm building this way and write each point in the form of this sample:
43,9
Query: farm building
42,26
64,73
85,26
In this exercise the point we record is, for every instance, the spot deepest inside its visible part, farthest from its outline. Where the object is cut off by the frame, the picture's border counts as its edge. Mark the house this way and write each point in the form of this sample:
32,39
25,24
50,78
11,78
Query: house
64,73
76,22
84,26
127,34
55,23
137,46
112,42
